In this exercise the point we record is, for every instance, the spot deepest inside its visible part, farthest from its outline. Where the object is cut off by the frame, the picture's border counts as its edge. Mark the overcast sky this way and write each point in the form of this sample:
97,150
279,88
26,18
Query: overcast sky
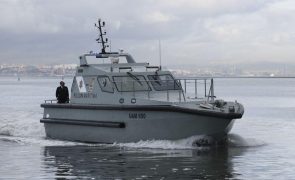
191,31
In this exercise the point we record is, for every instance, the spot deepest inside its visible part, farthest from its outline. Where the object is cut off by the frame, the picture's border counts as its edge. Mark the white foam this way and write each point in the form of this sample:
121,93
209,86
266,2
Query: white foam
22,124
187,143
235,140
38,141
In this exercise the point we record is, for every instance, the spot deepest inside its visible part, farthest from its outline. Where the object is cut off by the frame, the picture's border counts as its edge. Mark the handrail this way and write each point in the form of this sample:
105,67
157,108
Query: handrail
152,67
180,89
130,68
180,86
50,100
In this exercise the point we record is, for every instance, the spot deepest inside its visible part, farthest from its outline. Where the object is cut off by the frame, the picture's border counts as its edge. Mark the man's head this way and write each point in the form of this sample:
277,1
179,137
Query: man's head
62,83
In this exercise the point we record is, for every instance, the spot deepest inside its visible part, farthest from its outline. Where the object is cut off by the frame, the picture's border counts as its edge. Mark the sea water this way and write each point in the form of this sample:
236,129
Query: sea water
261,144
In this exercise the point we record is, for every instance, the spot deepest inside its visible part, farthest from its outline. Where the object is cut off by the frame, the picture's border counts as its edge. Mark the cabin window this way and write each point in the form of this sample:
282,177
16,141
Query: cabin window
105,84
131,83
164,82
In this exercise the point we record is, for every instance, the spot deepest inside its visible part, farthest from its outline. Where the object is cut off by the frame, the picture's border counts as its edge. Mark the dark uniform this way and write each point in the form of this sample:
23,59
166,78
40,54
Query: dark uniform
62,94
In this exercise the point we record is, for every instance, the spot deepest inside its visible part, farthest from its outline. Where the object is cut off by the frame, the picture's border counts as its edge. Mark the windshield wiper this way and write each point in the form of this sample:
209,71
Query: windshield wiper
134,77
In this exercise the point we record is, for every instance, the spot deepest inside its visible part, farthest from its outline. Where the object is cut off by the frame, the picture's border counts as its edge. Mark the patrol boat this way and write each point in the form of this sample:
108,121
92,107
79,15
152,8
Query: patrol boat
120,100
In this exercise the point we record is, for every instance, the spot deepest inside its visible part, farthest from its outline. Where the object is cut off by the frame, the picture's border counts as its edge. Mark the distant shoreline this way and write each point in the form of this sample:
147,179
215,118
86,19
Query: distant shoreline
239,77
177,77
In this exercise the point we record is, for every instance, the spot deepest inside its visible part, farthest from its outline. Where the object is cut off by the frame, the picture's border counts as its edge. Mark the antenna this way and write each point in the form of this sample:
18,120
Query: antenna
160,54
102,33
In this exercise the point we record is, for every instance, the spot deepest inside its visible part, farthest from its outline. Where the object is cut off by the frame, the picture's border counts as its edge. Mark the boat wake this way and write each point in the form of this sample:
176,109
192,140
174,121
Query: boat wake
38,141
200,142
195,142
187,143
235,140
25,129
22,123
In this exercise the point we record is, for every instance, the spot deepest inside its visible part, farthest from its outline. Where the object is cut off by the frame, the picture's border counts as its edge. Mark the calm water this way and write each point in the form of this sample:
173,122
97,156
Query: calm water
261,144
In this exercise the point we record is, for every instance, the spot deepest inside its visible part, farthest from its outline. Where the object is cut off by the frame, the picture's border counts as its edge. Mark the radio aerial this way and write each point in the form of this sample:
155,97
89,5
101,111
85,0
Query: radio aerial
101,40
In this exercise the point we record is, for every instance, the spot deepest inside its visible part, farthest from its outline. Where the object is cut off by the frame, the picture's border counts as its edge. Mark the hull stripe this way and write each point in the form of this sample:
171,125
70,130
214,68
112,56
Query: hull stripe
84,123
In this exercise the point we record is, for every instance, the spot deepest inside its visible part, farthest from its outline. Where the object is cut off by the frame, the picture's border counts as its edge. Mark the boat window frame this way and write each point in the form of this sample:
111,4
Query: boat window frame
152,81
100,85
145,80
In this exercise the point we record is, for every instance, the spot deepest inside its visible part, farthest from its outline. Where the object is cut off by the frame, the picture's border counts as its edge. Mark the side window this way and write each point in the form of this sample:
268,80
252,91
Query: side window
105,84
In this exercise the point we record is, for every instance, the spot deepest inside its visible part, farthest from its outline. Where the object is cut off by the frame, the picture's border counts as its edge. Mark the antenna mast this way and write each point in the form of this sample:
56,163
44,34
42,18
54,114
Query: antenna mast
160,54
101,38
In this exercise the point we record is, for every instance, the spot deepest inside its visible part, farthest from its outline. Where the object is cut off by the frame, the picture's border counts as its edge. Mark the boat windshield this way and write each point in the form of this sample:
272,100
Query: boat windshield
131,83
164,82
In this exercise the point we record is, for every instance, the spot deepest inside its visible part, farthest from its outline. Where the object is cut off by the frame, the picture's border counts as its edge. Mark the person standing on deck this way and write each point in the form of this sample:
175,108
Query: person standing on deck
62,93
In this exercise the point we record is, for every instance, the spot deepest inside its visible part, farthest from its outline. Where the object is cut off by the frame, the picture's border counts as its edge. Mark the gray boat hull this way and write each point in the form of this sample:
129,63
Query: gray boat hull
115,124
